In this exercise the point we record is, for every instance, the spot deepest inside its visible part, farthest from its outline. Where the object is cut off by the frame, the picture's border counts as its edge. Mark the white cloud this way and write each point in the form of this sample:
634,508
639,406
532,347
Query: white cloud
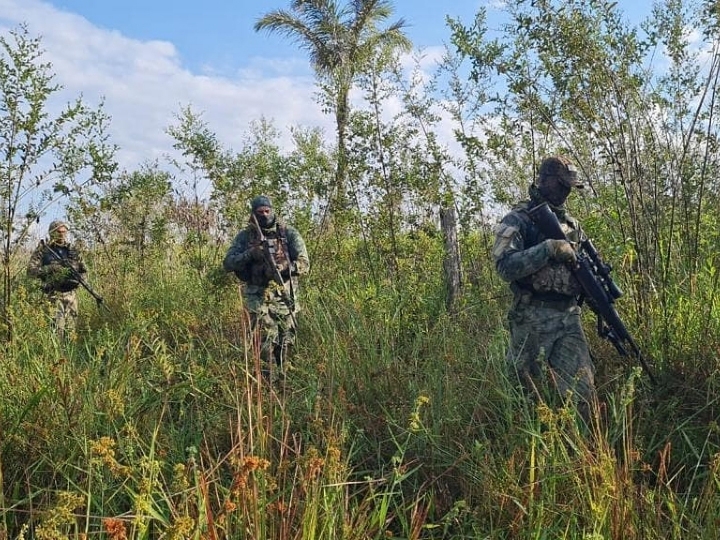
144,83
427,59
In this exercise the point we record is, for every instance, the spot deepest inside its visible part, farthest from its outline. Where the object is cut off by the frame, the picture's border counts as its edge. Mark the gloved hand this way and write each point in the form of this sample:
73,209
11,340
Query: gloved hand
561,251
256,253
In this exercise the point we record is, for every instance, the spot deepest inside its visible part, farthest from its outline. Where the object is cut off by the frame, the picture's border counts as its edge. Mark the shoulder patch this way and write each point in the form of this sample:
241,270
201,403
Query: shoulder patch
503,230
504,234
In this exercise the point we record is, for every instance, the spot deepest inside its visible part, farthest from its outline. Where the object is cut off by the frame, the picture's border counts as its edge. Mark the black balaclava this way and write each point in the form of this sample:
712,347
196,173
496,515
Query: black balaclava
264,221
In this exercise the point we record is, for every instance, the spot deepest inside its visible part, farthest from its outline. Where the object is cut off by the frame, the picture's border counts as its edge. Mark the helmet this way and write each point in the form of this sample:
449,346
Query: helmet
55,225
561,168
260,200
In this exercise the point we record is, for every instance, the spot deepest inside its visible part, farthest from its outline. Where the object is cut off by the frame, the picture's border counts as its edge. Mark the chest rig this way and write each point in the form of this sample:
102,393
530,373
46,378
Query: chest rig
274,241
277,246
554,280
58,253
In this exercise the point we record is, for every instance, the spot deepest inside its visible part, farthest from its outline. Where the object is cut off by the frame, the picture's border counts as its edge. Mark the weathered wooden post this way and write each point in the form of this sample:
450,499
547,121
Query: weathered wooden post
451,262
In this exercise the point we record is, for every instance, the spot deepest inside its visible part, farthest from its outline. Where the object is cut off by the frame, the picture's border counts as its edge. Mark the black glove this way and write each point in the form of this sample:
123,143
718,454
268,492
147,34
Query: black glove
257,253
250,255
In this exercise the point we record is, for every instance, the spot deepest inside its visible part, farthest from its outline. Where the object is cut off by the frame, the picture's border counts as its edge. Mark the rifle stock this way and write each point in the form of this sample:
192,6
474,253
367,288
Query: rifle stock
598,287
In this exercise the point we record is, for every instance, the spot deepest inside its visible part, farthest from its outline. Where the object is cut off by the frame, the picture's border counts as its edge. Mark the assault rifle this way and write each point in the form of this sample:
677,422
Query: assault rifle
288,299
599,289
77,276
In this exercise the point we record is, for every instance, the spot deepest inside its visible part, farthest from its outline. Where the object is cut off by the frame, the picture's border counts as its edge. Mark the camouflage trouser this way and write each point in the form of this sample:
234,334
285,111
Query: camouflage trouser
548,351
274,324
65,312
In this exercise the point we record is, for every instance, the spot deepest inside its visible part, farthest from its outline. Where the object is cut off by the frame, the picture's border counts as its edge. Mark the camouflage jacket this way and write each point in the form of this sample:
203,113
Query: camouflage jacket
523,259
288,252
57,266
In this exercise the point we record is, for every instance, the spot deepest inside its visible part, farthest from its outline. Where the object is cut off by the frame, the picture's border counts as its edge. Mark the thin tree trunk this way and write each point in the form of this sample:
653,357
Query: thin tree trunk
451,263
7,288
342,115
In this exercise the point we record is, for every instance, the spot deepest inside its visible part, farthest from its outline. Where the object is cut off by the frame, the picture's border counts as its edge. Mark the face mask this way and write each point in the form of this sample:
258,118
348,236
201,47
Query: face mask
265,221
554,191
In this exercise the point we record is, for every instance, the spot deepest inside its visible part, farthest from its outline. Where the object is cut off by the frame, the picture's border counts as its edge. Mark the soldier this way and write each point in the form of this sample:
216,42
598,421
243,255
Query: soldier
548,347
268,256
57,264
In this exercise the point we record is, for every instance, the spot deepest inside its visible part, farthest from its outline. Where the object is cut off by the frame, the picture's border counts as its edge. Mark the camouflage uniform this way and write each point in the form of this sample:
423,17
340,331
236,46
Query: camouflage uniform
548,348
265,299
49,263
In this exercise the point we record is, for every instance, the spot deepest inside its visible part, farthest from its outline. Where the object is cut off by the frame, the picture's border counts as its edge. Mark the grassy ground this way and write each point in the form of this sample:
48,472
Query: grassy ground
395,420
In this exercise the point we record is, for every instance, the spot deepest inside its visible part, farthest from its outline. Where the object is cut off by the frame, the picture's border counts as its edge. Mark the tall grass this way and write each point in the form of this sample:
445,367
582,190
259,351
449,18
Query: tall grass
394,420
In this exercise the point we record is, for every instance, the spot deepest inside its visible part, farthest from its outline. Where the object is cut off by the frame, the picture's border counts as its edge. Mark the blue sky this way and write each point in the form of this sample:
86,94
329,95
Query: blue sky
146,59
149,58
218,34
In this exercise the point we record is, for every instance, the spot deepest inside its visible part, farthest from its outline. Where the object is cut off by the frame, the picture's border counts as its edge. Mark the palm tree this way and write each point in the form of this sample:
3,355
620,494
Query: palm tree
340,40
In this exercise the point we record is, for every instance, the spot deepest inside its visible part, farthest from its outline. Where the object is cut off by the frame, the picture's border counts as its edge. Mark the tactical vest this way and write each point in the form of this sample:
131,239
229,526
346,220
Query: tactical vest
276,238
66,256
555,278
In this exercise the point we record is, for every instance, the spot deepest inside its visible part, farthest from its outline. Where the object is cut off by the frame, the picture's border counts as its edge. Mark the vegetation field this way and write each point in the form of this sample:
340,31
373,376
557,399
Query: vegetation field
396,418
